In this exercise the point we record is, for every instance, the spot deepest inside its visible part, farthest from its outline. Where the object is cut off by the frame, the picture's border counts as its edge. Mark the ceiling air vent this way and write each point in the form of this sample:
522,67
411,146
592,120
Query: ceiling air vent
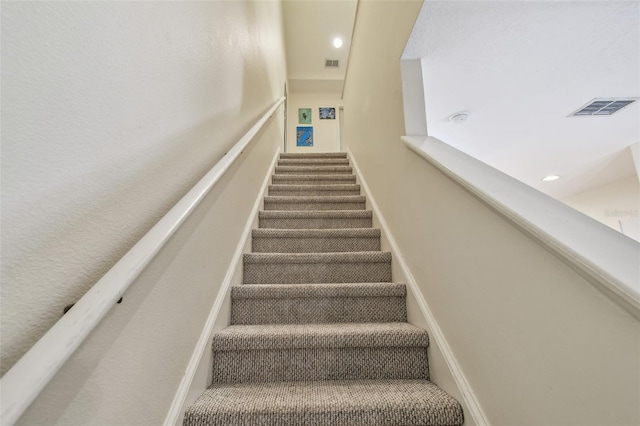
332,63
603,107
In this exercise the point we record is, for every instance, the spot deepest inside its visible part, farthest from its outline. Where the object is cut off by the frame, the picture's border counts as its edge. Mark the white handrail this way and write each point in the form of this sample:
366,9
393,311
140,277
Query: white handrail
609,260
25,380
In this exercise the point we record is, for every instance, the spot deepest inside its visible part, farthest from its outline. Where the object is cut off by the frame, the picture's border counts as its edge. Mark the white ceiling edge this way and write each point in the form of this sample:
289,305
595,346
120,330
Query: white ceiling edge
519,69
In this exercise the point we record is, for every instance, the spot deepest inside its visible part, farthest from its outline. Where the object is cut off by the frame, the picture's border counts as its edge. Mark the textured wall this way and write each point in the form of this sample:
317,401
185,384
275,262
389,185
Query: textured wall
538,344
110,112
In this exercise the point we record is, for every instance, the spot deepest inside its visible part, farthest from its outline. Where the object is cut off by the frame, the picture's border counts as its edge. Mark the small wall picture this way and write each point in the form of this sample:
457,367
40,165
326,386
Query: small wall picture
327,113
304,136
304,115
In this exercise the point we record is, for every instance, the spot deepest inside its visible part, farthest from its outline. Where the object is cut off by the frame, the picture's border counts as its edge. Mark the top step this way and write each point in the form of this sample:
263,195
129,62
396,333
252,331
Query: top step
313,162
291,155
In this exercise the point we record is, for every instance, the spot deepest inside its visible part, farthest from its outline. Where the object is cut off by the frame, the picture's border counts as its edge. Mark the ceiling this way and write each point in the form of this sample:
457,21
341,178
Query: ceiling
310,27
519,69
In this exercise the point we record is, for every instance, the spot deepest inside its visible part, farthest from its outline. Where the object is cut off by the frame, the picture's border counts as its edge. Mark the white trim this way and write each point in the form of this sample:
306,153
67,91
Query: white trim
204,342
471,401
25,380
608,259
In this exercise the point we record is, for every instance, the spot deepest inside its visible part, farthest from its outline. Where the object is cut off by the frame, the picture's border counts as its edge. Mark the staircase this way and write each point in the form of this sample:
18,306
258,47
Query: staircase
318,332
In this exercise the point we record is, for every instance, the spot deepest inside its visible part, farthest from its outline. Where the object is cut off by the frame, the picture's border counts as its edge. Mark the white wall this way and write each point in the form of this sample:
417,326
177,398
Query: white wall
611,203
111,111
326,133
538,343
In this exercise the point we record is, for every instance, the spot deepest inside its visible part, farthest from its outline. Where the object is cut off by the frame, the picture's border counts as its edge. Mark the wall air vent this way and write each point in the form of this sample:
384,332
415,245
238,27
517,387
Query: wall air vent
332,63
603,107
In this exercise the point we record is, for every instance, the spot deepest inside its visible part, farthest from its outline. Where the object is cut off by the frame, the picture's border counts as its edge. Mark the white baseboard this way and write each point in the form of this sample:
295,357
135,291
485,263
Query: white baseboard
470,401
198,364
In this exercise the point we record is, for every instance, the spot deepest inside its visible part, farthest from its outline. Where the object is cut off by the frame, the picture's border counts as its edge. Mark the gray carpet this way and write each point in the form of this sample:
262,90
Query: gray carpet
318,332
307,202
310,189
309,179
315,240
318,303
313,162
313,170
315,219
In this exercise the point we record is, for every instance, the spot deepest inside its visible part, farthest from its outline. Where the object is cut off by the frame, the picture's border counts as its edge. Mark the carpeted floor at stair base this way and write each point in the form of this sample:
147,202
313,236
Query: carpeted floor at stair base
318,332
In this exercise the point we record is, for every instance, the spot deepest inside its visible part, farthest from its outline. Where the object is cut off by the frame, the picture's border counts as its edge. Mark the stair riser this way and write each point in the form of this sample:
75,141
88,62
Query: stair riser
314,245
330,170
313,162
312,192
296,155
313,180
316,273
329,403
320,364
283,206
374,416
315,223
318,310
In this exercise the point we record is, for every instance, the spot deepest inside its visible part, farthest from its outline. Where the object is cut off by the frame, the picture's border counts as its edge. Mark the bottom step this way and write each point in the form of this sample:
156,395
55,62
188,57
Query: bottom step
326,403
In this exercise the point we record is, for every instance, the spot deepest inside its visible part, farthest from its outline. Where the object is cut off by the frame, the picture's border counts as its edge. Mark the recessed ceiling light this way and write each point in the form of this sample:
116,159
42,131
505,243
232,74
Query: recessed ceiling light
550,178
337,42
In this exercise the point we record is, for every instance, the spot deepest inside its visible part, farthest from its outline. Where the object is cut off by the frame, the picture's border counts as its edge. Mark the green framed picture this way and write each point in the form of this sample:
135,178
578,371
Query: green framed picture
304,115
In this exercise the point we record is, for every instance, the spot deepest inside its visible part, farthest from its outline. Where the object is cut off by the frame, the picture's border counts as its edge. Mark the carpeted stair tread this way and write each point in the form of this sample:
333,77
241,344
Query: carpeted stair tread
315,240
313,268
307,179
296,336
318,303
313,162
284,155
314,190
313,170
301,258
317,233
299,202
323,219
301,291
336,351
326,403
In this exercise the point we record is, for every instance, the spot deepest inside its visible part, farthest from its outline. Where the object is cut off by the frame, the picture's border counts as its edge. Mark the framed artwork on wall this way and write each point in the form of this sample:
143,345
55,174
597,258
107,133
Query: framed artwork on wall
304,115
304,136
327,113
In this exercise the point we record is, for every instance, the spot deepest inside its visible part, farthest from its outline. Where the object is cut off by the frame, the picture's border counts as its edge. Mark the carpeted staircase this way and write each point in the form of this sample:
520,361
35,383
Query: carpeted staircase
318,332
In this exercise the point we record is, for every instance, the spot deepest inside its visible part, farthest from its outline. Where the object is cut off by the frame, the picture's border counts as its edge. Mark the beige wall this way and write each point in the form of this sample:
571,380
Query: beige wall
128,370
326,132
538,344
609,203
111,111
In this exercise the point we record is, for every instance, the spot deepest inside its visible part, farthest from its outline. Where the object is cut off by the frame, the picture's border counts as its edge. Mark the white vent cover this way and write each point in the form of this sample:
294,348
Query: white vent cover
603,107
332,63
